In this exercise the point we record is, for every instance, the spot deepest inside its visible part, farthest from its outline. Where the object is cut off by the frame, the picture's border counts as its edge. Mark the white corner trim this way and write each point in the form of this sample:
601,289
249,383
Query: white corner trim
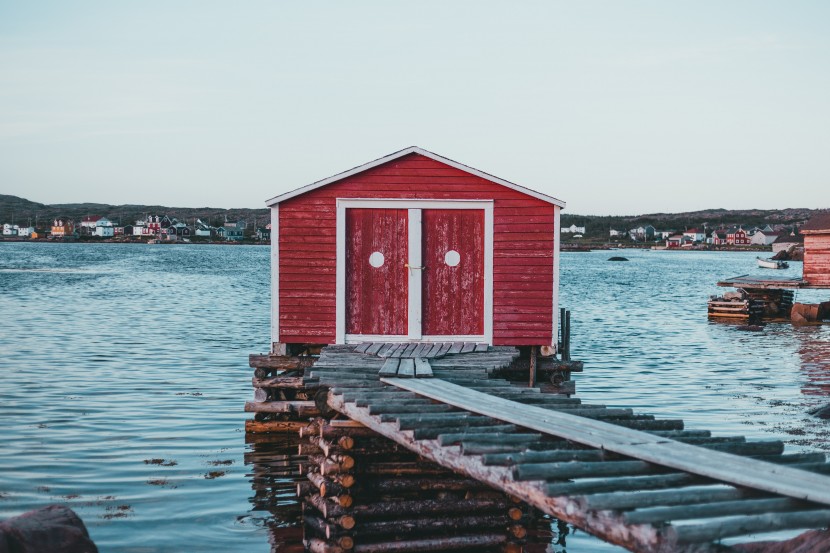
413,205
488,274
413,150
275,274
415,280
556,242
340,295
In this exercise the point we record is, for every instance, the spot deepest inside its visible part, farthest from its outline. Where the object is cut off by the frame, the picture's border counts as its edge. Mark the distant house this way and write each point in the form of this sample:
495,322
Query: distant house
573,229
816,233
695,235
642,234
719,238
736,236
675,241
263,234
614,232
40,233
664,234
25,232
763,237
151,226
88,224
63,228
9,229
104,228
203,229
235,231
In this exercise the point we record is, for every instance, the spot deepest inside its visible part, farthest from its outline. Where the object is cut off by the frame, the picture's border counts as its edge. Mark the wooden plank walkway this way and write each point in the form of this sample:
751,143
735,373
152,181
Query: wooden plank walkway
633,480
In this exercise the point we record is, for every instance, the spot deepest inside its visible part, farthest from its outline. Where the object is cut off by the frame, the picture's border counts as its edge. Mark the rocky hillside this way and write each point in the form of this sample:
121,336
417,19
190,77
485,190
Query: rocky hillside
21,211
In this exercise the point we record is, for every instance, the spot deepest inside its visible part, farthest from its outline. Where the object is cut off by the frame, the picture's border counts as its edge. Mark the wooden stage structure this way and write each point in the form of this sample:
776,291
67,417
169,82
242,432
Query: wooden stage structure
467,459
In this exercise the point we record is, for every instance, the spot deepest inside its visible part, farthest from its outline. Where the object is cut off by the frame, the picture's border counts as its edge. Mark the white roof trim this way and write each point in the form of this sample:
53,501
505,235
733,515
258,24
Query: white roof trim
406,151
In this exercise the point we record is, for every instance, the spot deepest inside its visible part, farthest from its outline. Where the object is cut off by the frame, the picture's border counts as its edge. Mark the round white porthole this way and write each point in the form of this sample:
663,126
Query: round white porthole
452,258
376,259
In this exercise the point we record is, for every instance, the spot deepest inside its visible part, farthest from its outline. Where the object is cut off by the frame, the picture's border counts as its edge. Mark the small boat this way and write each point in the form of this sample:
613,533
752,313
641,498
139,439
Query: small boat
772,263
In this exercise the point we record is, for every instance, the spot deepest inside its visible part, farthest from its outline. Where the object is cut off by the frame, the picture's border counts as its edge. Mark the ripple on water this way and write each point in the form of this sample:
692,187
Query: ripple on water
132,353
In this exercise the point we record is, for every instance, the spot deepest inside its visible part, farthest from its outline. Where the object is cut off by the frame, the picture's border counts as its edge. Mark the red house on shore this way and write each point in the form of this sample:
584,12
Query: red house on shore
414,247
816,233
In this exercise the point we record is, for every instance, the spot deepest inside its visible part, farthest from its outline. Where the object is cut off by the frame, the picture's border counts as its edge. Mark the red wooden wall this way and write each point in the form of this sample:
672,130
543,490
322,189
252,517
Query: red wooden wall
817,259
522,249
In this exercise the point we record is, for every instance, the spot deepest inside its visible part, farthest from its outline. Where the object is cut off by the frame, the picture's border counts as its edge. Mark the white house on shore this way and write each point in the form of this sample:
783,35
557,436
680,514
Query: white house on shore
695,235
763,237
104,228
573,229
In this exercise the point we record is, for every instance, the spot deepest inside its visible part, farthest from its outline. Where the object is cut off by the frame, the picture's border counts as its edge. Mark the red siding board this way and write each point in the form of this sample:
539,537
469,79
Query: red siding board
523,248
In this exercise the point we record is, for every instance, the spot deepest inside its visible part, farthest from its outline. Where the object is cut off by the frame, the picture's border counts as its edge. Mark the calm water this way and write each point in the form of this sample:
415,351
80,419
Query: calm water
124,370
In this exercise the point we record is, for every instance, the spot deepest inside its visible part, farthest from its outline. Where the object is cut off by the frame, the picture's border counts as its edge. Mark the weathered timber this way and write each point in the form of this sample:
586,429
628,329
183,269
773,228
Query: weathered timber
410,408
273,426
385,509
488,437
471,542
427,525
707,508
748,524
714,464
299,408
433,432
406,421
578,469
406,369
423,368
390,367
290,382
280,362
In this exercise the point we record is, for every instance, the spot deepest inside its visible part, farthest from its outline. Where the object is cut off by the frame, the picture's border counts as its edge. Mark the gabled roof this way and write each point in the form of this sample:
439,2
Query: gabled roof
819,223
785,238
406,151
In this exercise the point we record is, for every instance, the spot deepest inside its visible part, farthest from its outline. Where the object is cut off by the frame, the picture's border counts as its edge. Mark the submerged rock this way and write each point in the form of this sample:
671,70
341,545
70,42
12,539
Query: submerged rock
822,411
52,529
617,258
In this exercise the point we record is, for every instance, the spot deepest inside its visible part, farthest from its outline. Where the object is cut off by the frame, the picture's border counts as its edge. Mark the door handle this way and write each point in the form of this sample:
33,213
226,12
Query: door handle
411,267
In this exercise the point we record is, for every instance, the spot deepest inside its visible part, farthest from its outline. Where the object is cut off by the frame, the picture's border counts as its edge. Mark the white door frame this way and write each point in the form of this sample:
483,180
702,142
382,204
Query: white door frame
414,323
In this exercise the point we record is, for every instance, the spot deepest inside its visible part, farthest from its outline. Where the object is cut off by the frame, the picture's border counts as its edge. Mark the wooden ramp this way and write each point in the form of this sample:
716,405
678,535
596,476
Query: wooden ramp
633,480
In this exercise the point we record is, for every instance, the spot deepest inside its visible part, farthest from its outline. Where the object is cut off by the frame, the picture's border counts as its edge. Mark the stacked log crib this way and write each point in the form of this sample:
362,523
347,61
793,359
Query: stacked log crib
366,494
282,400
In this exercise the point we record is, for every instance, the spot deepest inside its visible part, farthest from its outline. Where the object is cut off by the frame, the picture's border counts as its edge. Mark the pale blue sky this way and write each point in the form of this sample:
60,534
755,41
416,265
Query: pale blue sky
615,107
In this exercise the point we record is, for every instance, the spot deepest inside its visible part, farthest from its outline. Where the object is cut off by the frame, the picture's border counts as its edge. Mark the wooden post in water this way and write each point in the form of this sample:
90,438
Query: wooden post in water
566,354
532,382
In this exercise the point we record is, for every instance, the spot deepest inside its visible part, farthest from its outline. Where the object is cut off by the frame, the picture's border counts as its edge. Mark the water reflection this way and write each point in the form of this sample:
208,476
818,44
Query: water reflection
273,470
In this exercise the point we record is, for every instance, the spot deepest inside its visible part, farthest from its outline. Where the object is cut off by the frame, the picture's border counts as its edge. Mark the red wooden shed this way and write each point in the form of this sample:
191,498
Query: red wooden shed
414,247
816,233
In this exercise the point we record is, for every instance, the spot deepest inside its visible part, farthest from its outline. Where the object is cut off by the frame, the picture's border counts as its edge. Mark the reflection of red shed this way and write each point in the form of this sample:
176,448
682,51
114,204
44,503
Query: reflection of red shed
816,233
414,246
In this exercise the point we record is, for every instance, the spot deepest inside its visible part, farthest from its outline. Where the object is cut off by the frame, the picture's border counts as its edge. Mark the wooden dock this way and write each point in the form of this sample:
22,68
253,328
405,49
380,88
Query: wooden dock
644,483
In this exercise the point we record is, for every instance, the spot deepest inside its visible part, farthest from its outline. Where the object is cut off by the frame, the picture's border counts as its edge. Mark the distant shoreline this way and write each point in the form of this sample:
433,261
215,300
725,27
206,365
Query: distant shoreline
139,242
